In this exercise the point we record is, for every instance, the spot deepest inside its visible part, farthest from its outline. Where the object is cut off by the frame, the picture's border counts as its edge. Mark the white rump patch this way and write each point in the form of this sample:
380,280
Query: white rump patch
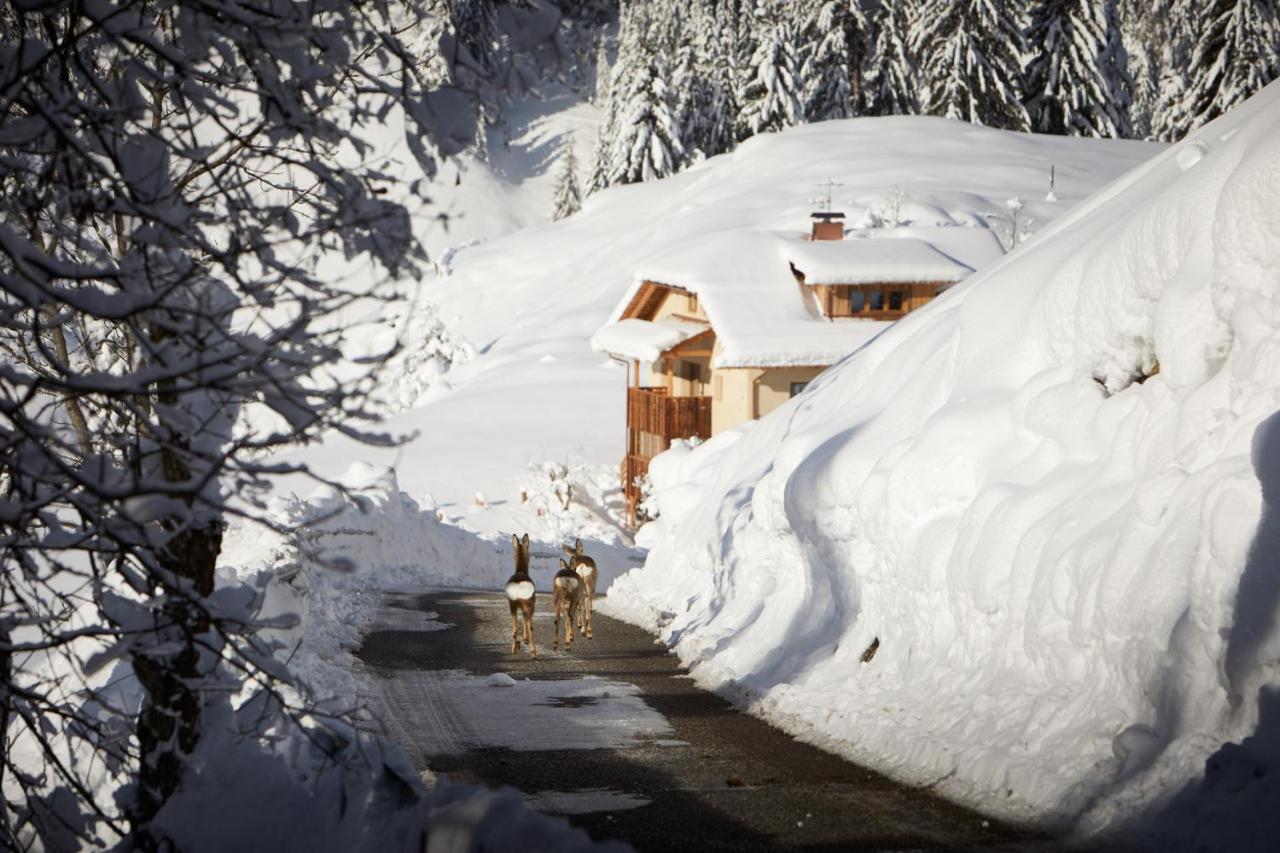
568,582
520,590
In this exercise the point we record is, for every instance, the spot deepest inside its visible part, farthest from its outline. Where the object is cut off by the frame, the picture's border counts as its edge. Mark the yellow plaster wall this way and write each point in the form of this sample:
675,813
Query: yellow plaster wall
774,388
731,397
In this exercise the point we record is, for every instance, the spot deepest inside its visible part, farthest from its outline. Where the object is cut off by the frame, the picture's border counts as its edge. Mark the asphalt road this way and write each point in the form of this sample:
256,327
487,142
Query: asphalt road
616,737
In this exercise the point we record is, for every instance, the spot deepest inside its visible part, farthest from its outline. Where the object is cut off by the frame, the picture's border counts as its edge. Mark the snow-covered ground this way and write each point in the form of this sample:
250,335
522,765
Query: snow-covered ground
1023,546
527,407
527,304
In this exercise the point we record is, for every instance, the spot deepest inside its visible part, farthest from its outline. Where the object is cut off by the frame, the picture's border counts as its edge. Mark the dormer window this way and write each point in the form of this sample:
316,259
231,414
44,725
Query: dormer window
877,302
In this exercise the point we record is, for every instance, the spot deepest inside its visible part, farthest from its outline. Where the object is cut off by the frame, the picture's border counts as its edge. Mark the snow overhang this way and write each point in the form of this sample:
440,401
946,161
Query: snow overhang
644,340
903,260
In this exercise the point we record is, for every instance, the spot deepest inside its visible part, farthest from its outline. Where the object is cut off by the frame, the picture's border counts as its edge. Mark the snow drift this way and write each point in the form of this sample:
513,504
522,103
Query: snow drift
1022,546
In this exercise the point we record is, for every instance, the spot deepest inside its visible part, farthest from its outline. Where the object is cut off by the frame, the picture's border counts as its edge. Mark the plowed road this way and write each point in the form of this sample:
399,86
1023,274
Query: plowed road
616,737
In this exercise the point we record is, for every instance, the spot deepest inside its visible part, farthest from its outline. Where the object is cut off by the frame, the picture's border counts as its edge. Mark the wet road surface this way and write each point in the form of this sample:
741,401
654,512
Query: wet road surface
616,737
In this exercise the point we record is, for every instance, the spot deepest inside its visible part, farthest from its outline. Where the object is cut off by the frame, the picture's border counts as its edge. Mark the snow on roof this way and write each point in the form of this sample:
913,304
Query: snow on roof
867,261
761,316
976,248
644,340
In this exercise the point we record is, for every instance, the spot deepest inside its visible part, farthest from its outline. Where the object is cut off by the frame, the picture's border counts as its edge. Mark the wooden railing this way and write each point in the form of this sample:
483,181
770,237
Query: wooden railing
654,420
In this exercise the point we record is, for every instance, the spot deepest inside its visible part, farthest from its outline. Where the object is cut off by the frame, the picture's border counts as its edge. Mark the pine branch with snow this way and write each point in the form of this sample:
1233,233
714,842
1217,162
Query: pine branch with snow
1077,80
833,35
771,97
971,61
892,77
1235,53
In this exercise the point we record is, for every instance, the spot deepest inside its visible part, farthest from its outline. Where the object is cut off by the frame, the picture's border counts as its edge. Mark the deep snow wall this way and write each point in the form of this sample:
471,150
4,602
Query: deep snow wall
1022,546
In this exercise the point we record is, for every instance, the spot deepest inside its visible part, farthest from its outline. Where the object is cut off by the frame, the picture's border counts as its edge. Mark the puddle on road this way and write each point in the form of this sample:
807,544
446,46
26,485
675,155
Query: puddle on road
585,801
395,618
456,711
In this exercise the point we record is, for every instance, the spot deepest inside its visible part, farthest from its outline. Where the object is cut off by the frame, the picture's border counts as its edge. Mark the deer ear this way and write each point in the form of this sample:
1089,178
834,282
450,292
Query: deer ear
515,541
525,540
578,546
563,564
567,549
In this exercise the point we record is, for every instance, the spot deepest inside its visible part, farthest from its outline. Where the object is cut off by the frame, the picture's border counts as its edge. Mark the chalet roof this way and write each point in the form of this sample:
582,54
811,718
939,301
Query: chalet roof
645,340
865,260
761,316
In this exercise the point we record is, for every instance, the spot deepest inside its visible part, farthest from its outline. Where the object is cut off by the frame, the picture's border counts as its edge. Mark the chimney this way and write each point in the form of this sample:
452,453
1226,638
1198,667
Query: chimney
827,226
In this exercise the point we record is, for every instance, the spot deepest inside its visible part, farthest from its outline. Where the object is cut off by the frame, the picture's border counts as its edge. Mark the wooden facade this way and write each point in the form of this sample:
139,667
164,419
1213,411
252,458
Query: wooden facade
654,420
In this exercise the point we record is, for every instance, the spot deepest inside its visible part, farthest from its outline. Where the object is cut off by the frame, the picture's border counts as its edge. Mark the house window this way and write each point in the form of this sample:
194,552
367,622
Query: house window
854,301
797,387
691,372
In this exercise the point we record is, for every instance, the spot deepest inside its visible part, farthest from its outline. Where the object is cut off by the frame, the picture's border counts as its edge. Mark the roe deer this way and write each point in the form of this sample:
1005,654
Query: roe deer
586,569
520,596
568,587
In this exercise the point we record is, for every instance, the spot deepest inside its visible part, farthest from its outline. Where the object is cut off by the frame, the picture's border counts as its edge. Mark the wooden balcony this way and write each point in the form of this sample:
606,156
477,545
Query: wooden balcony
654,420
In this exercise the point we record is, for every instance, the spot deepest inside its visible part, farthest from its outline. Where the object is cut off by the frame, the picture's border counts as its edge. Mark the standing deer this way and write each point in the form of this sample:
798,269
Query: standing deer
568,587
520,596
586,569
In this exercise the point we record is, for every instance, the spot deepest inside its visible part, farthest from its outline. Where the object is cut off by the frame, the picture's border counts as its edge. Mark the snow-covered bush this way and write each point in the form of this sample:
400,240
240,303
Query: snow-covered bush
574,500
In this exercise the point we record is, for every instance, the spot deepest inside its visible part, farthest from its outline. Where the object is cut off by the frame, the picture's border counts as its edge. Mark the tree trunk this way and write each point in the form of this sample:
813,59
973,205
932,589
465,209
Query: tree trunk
169,723
6,675
168,726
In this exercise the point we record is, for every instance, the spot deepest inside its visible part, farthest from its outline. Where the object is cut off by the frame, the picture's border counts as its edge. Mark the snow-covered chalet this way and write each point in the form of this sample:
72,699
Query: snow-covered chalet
729,327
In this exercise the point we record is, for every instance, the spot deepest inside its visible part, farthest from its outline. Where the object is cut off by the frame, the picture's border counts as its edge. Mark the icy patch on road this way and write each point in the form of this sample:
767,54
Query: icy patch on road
463,711
585,802
399,614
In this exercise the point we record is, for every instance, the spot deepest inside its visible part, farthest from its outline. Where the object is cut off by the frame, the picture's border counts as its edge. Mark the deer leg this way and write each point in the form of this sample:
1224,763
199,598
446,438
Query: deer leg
568,640
555,640
514,629
528,632
587,618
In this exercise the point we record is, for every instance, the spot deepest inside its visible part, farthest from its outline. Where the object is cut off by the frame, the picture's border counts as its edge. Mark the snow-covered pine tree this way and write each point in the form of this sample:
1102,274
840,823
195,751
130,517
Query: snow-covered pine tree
687,80
892,85
833,34
719,69
1236,52
771,99
970,57
1154,43
1077,81
646,142
567,196
616,85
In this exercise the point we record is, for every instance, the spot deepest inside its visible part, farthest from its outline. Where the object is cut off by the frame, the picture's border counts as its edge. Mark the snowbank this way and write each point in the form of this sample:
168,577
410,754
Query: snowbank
296,799
352,549
1023,546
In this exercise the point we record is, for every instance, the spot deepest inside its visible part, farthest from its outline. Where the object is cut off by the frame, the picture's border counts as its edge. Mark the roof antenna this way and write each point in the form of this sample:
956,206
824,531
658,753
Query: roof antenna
825,201
1052,196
